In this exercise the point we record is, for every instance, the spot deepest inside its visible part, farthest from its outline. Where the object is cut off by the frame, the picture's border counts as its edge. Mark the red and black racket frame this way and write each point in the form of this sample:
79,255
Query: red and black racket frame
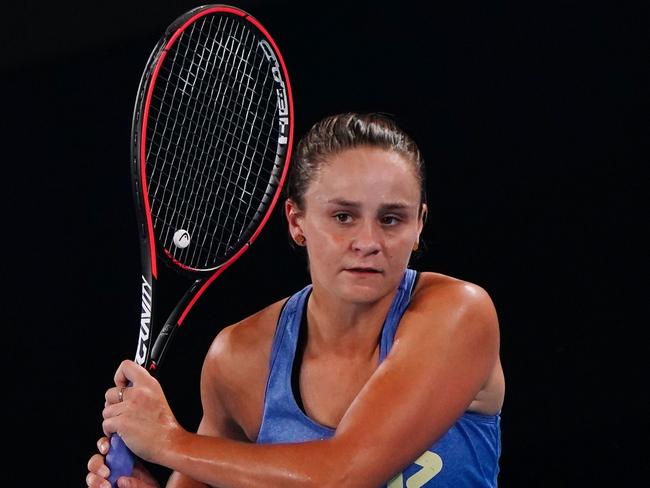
151,347
150,352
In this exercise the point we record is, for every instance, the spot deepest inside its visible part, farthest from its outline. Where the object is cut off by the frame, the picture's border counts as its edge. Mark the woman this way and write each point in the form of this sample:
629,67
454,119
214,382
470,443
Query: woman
372,375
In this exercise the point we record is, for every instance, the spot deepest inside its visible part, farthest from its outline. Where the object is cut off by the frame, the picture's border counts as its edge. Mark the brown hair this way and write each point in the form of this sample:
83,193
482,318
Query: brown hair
337,133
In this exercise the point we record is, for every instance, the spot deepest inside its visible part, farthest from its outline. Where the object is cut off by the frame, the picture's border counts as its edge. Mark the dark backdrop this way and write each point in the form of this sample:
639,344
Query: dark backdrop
532,119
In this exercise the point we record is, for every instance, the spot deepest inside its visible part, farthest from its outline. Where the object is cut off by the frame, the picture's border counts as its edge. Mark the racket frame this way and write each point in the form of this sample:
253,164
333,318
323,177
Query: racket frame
151,347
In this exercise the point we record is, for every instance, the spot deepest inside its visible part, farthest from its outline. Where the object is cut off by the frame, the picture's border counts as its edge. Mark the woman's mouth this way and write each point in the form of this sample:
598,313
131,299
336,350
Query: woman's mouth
363,270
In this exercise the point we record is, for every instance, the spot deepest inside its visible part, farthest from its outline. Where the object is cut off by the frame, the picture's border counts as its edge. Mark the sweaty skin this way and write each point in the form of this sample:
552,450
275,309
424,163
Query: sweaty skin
361,217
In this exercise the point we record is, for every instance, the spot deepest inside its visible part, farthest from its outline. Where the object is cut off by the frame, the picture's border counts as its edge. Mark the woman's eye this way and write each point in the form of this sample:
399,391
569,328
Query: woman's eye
390,220
343,217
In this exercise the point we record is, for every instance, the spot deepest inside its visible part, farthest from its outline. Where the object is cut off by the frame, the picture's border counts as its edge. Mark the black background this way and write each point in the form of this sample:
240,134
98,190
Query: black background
532,118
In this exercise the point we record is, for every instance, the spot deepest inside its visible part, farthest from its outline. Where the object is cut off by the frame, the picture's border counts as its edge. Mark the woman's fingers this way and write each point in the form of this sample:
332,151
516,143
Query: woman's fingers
98,472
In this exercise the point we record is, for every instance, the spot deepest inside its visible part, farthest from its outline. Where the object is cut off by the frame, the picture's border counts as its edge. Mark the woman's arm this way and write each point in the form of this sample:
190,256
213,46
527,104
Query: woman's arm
447,345
215,423
216,420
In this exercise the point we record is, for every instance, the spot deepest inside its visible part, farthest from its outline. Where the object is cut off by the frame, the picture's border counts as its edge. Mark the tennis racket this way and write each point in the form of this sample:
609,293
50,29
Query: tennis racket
211,142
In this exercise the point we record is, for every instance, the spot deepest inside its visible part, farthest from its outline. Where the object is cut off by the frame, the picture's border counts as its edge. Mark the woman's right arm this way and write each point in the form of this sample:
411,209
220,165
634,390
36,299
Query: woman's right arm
215,422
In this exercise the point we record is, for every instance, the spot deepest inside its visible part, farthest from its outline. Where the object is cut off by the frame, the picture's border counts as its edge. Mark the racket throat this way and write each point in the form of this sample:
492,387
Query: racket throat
160,346
173,323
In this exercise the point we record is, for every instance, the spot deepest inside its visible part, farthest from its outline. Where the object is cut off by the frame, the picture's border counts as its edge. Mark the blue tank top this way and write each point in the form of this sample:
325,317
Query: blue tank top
466,456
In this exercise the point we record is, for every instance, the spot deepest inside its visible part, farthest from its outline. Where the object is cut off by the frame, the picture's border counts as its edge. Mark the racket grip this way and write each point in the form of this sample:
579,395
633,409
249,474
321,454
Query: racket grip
119,459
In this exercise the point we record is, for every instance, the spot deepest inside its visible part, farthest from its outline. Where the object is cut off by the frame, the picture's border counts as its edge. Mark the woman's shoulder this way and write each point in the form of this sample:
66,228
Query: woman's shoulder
248,338
436,286
235,369
440,295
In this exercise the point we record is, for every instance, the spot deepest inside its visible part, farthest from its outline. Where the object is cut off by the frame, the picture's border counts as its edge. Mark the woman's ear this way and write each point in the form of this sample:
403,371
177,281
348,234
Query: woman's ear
294,218
423,217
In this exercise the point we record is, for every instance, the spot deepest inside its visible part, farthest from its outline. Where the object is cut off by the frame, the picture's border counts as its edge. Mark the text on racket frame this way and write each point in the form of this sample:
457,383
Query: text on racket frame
145,323
281,92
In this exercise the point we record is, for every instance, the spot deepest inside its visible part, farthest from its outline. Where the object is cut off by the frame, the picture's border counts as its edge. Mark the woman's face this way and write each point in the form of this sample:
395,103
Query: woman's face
360,220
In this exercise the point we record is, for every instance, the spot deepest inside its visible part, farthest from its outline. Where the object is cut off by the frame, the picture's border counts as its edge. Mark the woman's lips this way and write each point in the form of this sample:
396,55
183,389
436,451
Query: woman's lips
363,270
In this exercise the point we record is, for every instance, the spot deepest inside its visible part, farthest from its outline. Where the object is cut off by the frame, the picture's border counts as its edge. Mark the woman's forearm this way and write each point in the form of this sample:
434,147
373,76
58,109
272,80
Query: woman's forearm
233,464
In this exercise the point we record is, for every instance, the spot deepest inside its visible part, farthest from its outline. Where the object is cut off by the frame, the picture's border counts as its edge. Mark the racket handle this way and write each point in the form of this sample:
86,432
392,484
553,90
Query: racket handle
119,459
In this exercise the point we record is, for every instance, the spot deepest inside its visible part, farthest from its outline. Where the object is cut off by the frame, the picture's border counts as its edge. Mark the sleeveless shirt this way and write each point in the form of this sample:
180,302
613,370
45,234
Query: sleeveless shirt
466,456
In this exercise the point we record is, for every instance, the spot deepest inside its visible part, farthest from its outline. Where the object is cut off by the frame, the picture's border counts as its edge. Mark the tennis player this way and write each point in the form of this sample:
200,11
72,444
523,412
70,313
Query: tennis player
372,375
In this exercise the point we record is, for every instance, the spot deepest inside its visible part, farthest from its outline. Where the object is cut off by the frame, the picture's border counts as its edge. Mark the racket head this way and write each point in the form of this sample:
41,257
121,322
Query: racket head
212,133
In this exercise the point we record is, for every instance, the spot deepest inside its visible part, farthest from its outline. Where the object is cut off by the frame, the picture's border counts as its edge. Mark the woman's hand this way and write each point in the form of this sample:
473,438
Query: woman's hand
98,472
140,413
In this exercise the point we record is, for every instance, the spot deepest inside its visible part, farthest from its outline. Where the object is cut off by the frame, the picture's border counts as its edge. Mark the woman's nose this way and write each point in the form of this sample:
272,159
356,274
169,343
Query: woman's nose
368,239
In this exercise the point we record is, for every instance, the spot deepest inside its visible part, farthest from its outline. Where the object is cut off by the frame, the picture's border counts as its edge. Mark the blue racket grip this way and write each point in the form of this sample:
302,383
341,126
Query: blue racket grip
119,459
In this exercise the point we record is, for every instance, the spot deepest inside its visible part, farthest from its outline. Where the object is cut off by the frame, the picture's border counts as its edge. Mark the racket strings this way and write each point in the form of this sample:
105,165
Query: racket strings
224,224
213,172
244,171
179,129
230,51
170,75
259,61
168,142
195,124
211,139
226,215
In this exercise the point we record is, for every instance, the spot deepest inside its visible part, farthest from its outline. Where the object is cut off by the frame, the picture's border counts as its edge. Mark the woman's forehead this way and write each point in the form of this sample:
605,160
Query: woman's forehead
366,171
367,159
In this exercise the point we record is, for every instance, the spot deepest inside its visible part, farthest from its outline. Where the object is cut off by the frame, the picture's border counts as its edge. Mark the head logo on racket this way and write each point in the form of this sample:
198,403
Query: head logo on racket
181,238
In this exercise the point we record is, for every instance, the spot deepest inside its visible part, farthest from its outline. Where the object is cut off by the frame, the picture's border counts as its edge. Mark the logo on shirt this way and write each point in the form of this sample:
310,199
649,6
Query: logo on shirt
431,465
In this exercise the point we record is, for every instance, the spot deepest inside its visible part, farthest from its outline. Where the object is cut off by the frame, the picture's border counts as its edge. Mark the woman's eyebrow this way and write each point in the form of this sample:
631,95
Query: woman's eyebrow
342,202
396,206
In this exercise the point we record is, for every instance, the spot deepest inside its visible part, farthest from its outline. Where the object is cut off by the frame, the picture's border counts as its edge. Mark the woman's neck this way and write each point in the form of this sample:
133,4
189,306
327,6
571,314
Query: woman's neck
350,329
